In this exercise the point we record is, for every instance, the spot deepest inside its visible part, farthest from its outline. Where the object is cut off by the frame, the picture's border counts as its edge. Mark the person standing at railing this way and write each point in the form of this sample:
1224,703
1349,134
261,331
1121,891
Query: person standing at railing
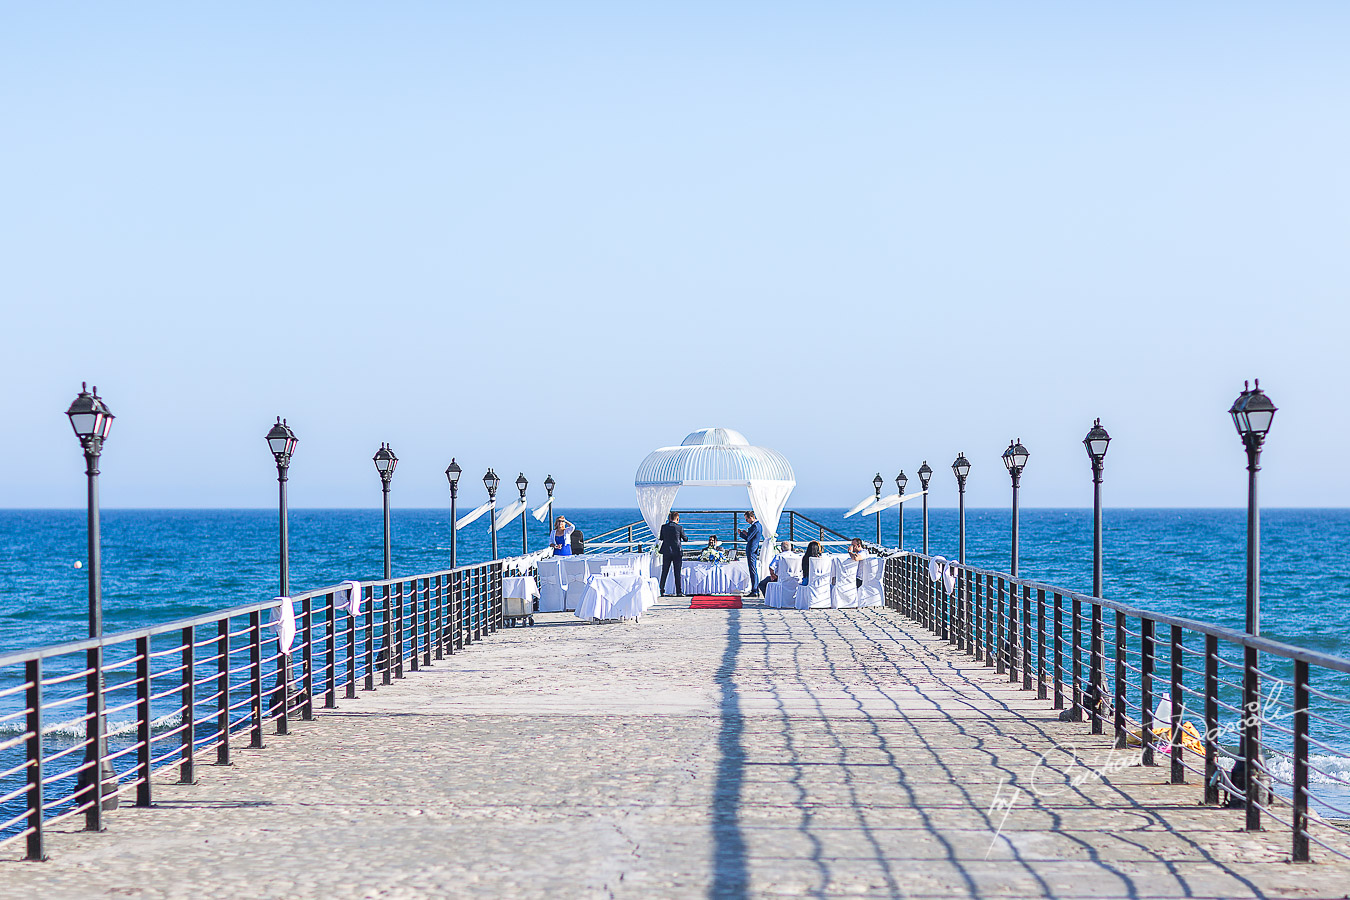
753,534
561,539
672,551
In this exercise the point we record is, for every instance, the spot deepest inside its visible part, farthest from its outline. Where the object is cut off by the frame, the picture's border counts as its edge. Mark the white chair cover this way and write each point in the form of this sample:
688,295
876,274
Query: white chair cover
788,565
814,593
870,571
844,593
551,585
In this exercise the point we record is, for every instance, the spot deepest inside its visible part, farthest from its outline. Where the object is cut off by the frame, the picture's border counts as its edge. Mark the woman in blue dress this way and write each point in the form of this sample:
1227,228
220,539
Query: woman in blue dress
561,539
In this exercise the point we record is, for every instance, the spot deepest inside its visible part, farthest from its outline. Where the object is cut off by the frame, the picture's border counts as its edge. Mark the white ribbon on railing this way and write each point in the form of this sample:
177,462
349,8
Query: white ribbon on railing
470,518
506,516
283,620
943,570
866,502
541,514
888,502
353,604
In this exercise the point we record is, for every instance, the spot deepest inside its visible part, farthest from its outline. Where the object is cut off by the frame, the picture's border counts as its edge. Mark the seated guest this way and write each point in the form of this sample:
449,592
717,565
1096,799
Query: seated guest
812,552
779,568
856,551
578,542
713,551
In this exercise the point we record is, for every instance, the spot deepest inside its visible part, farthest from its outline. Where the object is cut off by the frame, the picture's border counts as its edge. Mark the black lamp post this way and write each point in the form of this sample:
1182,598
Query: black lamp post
521,484
877,482
92,421
549,484
1252,413
1096,442
961,466
281,441
490,481
900,482
1015,459
925,473
385,463
452,473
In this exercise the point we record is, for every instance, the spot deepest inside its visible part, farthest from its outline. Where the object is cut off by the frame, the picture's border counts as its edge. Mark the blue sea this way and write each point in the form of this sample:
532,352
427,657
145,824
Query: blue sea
161,565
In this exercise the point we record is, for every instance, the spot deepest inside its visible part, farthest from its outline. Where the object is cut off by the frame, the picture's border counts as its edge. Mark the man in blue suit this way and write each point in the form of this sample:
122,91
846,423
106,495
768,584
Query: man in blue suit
753,534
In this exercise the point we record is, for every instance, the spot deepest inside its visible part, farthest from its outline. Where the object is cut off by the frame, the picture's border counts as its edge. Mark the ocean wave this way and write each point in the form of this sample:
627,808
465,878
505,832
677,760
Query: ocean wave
1337,767
74,731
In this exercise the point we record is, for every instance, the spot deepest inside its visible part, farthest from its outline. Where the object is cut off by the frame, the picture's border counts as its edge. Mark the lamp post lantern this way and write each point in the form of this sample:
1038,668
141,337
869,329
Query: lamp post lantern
281,441
521,484
1096,442
1252,414
925,473
1015,459
549,484
877,482
385,463
961,466
490,481
452,473
900,482
91,420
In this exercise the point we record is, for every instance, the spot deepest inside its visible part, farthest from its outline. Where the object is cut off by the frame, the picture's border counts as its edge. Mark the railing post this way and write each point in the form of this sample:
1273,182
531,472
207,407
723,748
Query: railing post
1059,650
351,653
1002,650
1251,736
370,640
1041,690
1300,818
439,638
1026,637
37,840
223,691
143,750
307,656
977,619
330,653
399,637
94,735
990,626
1147,652
284,689
387,670
414,644
426,624
1077,681
255,676
1097,666
1211,718
1174,727
187,769
1119,704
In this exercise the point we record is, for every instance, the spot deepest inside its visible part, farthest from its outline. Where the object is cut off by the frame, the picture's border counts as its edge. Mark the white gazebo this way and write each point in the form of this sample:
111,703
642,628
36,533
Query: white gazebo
716,457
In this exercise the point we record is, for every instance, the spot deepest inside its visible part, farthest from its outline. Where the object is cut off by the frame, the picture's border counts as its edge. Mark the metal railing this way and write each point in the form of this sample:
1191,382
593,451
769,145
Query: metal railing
1111,664
177,694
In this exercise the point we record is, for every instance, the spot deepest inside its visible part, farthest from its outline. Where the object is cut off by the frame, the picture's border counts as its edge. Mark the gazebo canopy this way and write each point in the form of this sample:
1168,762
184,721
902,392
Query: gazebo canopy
715,457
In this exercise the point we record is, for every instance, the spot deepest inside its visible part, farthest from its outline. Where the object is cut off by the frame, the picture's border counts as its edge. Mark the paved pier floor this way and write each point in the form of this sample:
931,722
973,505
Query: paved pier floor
751,753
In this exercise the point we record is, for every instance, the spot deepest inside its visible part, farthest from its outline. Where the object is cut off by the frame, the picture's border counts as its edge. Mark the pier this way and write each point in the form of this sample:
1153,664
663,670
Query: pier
927,748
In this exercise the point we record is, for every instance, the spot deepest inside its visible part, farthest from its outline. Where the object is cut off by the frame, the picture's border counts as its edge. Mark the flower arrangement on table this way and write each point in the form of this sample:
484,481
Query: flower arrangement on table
711,555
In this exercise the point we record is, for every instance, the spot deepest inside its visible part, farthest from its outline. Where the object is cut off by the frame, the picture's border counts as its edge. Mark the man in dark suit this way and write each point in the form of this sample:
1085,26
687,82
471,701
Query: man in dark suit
672,553
753,534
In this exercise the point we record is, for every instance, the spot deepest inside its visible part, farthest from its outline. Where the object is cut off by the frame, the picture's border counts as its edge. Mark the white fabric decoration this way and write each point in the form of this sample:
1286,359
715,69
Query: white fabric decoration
863,504
935,566
283,619
470,518
888,502
949,577
506,516
541,514
353,604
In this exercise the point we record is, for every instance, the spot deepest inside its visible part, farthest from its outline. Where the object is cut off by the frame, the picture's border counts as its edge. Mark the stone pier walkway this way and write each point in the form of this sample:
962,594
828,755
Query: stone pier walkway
736,754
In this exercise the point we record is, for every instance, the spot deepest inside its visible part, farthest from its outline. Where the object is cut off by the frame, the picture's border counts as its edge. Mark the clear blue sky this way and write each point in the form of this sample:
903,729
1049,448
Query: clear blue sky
550,237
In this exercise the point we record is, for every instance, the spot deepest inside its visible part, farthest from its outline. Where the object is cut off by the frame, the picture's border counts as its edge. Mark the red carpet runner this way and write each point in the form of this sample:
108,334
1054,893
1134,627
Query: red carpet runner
704,601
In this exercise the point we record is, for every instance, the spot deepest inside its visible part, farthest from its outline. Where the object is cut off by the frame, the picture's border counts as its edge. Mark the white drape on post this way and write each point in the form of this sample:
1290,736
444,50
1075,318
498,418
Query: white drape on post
767,499
655,501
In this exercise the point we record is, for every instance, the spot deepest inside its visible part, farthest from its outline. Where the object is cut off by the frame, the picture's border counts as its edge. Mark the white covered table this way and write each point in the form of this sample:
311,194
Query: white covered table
616,597
518,595
711,578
